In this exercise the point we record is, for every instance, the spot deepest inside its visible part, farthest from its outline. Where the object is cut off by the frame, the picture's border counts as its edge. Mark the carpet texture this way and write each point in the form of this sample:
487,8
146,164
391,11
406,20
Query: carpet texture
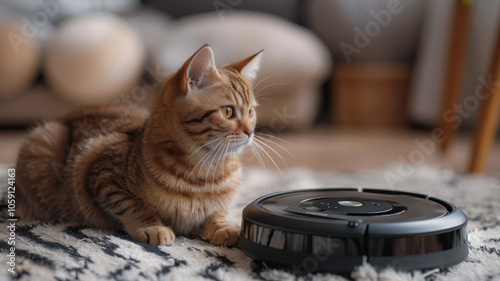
65,252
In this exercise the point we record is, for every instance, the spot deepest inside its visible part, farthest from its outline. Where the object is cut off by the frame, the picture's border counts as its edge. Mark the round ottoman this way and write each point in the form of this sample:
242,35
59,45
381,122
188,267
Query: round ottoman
19,57
94,58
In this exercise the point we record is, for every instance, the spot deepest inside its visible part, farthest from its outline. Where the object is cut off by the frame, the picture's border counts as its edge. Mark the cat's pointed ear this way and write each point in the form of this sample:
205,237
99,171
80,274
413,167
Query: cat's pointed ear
249,67
198,69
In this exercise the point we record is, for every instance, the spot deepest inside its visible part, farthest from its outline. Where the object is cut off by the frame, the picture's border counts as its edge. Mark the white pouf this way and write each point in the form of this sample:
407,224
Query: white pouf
19,60
292,53
94,58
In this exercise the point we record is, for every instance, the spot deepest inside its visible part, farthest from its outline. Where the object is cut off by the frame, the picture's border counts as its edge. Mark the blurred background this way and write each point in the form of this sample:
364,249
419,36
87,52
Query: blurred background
346,84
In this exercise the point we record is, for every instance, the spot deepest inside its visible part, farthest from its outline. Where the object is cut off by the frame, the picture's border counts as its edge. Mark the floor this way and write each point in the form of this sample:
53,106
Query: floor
326,148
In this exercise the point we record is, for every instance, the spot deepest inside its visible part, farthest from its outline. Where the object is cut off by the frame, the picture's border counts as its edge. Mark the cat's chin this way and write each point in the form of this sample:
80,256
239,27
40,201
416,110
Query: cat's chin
238,147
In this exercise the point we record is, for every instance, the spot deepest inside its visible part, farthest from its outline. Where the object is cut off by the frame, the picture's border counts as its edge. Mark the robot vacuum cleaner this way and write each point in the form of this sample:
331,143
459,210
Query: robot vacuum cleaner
335,230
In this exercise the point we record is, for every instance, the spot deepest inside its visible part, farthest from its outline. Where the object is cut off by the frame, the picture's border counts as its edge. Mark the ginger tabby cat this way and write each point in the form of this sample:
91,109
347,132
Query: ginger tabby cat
173,171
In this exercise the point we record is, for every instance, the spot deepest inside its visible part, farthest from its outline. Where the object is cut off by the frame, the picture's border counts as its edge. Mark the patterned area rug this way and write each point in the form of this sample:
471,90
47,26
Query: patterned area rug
65,252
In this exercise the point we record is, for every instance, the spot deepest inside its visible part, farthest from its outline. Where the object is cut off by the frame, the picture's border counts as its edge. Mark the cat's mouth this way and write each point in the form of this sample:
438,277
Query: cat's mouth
231,144
237,146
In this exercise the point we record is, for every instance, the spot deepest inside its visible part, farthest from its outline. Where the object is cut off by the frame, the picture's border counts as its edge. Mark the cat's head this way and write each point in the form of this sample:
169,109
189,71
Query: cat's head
216,106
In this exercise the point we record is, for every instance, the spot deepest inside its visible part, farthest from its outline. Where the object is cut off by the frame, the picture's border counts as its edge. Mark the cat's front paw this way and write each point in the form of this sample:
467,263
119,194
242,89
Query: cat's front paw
226,236
155,235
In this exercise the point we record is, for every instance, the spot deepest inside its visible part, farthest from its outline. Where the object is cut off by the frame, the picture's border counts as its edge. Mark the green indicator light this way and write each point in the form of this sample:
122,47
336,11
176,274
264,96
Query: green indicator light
350,203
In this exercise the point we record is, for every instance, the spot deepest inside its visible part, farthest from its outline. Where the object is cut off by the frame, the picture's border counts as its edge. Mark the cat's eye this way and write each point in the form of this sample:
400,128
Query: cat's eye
227,111
251,112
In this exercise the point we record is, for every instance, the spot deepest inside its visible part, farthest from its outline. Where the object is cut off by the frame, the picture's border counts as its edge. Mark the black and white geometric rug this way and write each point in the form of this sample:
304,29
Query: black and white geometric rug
64,252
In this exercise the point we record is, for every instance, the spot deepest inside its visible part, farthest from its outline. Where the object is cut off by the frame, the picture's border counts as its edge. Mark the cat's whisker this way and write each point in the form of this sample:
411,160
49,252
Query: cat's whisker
271,85
224,160
273,150
210,153
266,99
268,77
208,143
275,137
205,158
252,151
213,158
261,138
214,155
260,97
228,152
257,156
228,149
269,157
231,154
266,94
219,159
222,157
192,147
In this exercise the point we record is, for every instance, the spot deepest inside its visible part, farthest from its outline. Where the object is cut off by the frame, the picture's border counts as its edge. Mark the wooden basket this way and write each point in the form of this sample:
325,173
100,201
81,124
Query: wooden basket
370,94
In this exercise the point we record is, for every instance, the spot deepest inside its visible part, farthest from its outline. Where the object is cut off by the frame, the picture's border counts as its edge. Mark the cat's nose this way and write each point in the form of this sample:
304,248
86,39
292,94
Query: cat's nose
248,133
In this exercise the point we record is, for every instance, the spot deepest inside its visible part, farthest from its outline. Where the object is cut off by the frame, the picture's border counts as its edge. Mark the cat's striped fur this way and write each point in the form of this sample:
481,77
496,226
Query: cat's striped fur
175,170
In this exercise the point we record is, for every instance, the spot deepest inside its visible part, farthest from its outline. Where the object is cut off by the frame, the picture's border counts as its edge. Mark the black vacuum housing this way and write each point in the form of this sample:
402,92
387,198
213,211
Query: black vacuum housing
335,230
